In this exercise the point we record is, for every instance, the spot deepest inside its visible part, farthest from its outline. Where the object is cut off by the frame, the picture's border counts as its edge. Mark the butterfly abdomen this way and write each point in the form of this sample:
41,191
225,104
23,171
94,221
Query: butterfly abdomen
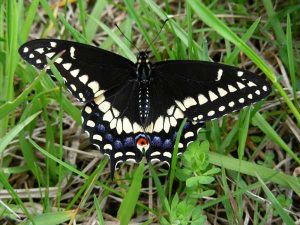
144,102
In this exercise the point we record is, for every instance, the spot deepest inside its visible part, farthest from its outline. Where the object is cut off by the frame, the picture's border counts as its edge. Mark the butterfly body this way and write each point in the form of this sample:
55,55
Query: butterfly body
135,109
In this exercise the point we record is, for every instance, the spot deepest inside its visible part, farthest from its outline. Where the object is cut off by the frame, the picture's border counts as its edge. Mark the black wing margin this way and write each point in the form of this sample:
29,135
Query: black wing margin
205,91
88,71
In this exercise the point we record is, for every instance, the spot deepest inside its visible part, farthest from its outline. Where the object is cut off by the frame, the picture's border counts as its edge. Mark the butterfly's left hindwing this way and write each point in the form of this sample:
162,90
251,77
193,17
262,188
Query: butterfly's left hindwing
87,71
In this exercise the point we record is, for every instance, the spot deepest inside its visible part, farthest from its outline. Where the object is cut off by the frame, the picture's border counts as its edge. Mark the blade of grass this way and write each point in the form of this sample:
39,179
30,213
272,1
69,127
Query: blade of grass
259,121
91,27
30,16
275,203
4,141
117,40
252,168
129,202
291,61
98,211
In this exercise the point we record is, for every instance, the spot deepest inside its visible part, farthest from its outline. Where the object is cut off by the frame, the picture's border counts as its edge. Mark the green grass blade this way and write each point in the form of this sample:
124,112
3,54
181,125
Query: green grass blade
129,202
253,169
91,27
259,121
128,53
98,211
30,16
291,61
275,203
50,218
4,141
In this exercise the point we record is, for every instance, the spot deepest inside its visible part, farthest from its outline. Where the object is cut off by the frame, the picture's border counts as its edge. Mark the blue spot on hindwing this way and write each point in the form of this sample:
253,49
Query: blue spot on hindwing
129,142
118,145
168,144
156,141
109,137
100,128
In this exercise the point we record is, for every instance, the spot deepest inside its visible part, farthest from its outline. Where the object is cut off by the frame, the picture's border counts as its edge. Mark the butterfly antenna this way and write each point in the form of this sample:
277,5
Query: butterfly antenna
166,20
127,38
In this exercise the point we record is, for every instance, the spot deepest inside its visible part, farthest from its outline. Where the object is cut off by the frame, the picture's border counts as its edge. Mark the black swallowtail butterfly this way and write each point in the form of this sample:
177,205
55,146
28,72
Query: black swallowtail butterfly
135,109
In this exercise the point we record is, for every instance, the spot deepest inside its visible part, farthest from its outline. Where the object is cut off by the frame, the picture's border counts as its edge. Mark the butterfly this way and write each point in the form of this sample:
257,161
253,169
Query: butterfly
134,109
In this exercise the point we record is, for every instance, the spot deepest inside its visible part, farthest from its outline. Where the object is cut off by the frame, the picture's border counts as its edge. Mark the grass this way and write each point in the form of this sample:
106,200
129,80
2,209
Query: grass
242,167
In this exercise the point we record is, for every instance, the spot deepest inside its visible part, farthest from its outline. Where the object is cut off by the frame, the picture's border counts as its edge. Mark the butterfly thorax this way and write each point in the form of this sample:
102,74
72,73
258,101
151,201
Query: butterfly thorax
143,72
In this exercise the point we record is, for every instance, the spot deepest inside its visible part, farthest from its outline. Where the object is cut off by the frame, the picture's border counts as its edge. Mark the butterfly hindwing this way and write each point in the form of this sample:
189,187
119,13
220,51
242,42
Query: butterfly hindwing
87,71
205,91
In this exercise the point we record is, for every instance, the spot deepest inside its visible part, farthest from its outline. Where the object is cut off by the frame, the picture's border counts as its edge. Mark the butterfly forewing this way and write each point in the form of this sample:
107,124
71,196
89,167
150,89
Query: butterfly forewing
204,91
87,71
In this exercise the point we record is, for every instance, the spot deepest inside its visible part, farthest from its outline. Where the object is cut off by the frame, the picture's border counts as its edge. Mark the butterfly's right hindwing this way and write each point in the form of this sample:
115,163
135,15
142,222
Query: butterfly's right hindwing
87,71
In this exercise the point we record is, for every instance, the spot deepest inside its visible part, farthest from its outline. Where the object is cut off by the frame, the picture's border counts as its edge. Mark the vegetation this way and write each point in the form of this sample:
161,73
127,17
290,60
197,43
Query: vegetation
243,168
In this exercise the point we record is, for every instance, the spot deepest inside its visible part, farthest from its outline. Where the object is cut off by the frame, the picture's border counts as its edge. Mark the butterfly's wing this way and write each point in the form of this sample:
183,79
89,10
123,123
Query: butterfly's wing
197,90
164,122
112,124
204,91
87,71
103,80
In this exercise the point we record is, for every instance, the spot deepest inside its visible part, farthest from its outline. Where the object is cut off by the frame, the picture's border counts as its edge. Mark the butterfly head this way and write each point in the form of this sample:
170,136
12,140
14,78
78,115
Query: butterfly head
143,57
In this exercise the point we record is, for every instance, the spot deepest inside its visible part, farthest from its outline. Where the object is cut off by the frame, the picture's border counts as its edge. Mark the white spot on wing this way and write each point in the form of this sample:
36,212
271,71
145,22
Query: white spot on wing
170,110
39,50
188,134
72,52
220,73
212,96
180,105
99,99
73,87
265,88
119,126
84,79
31,56
211,113
108,116
188,102
25,50
167,154
178,114
90,123
53,44
94,85
137,128
127,127
158,125
231,104
104,106
67,66
167,124
240,85
173,121
251,84
221,108
222,92
74,73
88,109
38,61
97,137
58,60
107,147
231,88
50,54
155,153
202,99
118,154
113,123
240,73
241,100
